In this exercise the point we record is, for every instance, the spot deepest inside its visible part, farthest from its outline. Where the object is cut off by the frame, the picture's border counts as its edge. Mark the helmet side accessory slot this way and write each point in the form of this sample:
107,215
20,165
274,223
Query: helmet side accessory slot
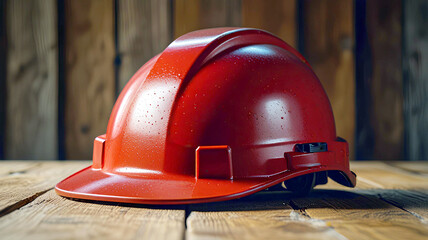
214,162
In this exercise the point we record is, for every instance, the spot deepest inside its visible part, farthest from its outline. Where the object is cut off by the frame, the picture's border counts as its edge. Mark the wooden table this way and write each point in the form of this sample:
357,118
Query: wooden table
390,202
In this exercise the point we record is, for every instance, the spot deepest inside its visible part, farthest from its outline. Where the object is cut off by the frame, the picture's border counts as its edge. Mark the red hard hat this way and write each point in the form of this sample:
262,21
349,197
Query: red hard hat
219,114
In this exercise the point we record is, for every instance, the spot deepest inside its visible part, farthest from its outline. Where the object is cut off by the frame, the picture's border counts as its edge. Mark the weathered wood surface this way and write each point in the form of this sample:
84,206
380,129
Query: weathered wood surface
415,69
328,45
357,215
21,182
276,16
419,167
386,82
26,193
89,73
390,202
52,217
143,30
32,80
261,216
191,15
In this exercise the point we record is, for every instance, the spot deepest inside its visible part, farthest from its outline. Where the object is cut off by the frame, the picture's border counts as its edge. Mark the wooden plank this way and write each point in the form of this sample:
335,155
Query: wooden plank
386,90
386,175
143,30
416,167
53,217
260,216
328,29
378,212
415,68
380,180
16,167
233,220
3,64
381,175
414,202
49,216
414,199
276,16
24,183
32,80
362,216
89,73
191,15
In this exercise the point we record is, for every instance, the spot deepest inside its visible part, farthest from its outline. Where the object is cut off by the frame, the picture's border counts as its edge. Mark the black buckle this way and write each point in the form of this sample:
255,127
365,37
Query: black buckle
311,147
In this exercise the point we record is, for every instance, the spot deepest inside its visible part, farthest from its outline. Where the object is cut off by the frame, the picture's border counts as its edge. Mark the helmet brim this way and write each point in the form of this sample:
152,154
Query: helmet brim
162,189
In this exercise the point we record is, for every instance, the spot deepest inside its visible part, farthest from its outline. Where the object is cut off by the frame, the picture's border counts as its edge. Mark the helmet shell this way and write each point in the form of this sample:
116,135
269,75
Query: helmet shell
219,106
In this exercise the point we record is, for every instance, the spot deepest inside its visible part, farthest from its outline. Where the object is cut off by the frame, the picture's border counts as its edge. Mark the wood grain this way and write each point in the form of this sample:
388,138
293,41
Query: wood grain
53,217
397,184
391,204
386,175
415,68
23,182
419,167
328,45
144,30
32,80
381,175
386,108
49,216
261,216
89,73
13,167
360,216
191,15
414,202
276,16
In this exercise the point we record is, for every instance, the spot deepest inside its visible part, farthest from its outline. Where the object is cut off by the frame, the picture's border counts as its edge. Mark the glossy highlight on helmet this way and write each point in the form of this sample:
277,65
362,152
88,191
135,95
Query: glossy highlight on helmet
220,114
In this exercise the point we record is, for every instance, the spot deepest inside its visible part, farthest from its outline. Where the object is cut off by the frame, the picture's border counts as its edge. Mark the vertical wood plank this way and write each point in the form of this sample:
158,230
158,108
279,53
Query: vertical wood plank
3,64
415,68
144,30
384,32
384,82
276,16
32,80
90,86
197,14
328,46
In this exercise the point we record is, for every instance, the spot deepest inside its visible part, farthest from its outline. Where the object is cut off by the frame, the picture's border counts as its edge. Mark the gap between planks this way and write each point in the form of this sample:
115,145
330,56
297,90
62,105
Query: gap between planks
259,216
50,216
32,210
369,212
21,203
21,182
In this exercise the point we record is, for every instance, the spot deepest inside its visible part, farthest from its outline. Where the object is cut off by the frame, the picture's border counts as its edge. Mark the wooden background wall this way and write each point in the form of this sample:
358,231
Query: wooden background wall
63,63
